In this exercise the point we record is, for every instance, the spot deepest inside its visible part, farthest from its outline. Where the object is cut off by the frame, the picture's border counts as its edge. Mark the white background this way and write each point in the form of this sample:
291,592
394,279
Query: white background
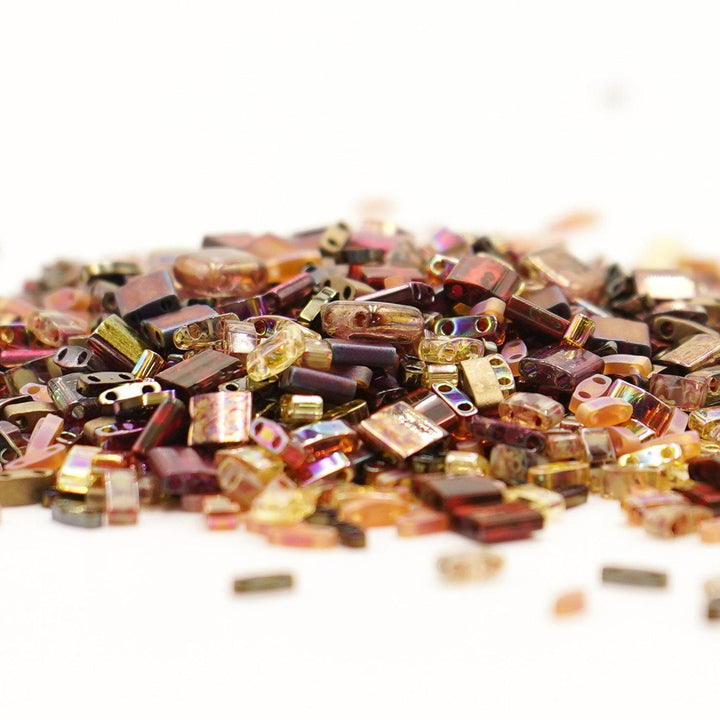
143,125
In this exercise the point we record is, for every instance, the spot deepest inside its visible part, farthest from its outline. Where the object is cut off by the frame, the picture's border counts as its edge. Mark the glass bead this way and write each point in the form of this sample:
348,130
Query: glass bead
387,322
479,276
24,487
569,603
449,350
275,354
498,431
436,374
603,412
444,492
578,331
484,327
694,352
76,513
531,410
116,344
637,500
653,455
243,472
219,418
559,367
630,337
633,576
283,505
465,463
500,522
553,475
700,494
557,266
201,373
618,481
549,504
182,470
709,530
510,463
220,512
479,380
333,388
220,272
514,351
593,387
122,497
706,421
373,510
620,364
685,393
55,328
239,338
475,566
537,319
304,535
400,430
331,468
421,521
563,445
673,520
262,583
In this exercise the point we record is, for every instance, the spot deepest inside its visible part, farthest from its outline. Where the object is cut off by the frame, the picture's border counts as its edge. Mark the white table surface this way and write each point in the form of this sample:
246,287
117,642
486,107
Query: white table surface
150,124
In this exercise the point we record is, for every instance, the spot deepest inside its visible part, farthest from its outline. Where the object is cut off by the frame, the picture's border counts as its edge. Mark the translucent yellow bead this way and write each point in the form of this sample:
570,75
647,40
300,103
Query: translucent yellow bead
450,350
548,503
276,353
531,410
560,474
465,463
283,506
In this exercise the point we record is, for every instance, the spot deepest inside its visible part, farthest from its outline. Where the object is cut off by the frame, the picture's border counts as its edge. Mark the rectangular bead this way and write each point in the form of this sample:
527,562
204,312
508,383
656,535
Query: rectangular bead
333,388
160,330
200,373
220,418
632,576
496,523
116,343
478,276
182,470
444,492
144,296
400,430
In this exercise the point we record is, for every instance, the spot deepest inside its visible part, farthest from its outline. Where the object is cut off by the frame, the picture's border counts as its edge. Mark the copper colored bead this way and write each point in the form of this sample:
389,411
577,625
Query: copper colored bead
220,272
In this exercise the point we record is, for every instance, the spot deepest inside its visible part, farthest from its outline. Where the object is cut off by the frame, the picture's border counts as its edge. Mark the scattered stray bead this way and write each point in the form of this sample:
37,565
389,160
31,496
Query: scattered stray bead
569,603
632,576
263,583
474,566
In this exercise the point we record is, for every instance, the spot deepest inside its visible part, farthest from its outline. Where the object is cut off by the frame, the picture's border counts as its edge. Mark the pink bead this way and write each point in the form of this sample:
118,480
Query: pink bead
220,272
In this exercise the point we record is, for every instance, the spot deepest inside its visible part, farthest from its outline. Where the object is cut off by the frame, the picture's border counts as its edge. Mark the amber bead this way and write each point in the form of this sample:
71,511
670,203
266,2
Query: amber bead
220,272
603,412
